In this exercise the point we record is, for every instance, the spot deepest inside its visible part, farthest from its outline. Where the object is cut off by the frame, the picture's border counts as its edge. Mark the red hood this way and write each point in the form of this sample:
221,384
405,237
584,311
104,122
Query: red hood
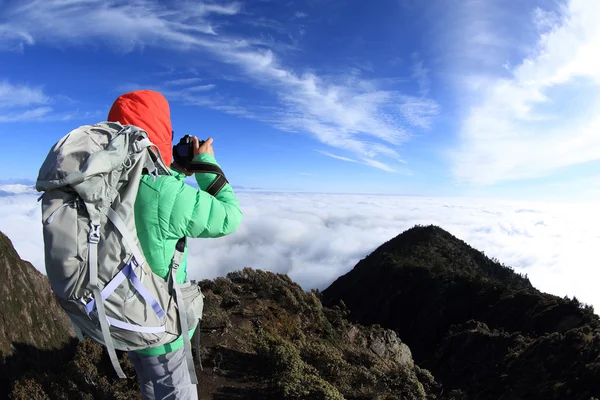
148,110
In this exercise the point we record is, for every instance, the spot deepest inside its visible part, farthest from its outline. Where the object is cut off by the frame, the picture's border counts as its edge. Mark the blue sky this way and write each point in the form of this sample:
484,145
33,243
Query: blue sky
441,97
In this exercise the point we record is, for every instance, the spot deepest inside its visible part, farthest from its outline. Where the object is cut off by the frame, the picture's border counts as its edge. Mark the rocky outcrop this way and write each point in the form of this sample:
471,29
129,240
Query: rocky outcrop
388,345
29,312
384,343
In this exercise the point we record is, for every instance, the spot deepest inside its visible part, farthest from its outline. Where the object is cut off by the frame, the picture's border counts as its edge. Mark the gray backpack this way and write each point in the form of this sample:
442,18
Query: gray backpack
94,262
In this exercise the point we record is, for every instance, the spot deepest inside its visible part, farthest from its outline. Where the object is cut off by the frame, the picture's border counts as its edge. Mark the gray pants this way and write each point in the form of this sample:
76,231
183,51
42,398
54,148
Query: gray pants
164,377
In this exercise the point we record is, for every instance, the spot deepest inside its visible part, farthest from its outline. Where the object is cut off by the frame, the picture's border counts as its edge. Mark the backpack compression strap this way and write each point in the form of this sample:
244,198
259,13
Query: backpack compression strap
93,240
197,345
187,345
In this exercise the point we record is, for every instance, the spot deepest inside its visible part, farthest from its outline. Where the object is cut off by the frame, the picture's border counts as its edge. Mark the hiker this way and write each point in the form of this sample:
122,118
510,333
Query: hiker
167,209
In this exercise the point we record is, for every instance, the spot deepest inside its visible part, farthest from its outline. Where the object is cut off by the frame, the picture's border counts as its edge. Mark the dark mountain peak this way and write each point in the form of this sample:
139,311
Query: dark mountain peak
420,234
470,319
442,253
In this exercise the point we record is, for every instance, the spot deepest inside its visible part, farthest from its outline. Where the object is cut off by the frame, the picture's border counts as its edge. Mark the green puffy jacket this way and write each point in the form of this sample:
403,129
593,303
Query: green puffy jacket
167,209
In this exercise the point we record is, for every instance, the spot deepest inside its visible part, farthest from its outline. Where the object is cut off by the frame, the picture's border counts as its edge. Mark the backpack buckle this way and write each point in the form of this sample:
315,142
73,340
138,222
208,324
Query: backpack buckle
86,299
94,236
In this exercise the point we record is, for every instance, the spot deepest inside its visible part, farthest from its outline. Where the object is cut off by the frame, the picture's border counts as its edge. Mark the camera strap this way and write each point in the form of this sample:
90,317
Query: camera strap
220,181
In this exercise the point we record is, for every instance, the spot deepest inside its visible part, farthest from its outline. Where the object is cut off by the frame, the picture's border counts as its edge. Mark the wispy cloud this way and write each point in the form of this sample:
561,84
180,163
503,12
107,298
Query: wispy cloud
379,164
34,114
268,24
18,95
421,74
183,82
355,115
364,160
128,25
20,102
328,154
540,113
193,96
419,111
200,88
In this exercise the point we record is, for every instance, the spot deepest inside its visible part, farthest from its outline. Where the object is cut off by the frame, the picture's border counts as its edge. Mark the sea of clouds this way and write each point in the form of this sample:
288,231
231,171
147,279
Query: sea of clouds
315,238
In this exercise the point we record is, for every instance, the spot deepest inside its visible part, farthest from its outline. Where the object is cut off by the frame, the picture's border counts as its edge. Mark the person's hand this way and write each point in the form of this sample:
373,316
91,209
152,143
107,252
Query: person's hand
206,147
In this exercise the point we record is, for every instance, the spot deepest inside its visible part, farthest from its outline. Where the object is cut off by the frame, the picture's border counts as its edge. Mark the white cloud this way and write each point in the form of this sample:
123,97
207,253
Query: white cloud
20,220
476,34
20,102
33,114
16,188
200,88
365,160
128,25
183,81
315,238
193,95
419,111
346,113
328,154
378,164
543,114
421,74
224,9
15,95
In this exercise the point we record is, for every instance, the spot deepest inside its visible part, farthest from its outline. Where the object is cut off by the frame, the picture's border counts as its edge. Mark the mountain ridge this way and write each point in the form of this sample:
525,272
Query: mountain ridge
263,337
423,301
27,301
442,296
32,321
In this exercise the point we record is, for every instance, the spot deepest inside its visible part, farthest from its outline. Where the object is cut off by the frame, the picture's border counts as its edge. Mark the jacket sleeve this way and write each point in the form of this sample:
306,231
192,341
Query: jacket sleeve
197,214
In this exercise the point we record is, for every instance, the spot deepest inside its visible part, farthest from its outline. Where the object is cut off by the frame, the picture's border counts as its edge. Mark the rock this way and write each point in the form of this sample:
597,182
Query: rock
387,345
353,334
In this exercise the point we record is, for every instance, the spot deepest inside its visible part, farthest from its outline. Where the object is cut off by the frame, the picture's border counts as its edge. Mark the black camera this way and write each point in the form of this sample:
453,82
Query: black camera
183,152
